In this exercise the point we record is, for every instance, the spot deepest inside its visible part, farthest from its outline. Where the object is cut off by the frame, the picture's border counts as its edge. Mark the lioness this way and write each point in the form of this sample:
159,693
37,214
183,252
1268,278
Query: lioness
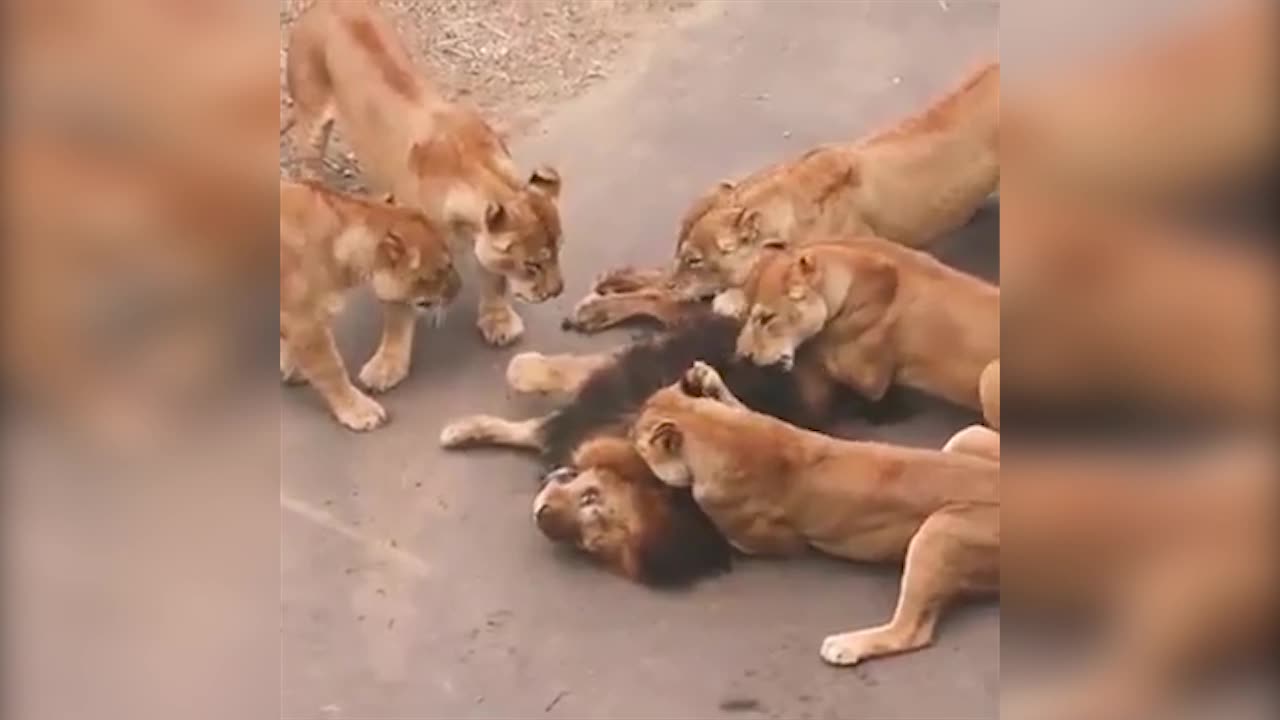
776,489
345,62
329,243
598,495
911,183
876,313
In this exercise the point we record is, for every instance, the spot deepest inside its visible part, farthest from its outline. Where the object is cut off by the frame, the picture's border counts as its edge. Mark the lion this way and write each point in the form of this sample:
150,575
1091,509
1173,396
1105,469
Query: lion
346,64
877,313
331,242
775,489
911,183
597,494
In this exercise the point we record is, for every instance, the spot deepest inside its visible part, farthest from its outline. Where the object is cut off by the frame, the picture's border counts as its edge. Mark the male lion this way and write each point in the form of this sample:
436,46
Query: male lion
776,489
598,495
329,243
876,313
345,62
911,183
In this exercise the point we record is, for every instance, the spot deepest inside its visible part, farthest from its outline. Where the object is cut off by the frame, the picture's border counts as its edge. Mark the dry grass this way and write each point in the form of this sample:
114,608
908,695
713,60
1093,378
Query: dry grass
514,59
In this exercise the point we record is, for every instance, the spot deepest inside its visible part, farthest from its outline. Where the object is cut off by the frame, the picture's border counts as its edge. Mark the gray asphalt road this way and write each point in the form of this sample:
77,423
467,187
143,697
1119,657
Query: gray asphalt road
414,583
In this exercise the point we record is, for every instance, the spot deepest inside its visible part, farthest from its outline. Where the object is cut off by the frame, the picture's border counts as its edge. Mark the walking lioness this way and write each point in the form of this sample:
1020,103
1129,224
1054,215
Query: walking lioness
776,489
346,63
331,242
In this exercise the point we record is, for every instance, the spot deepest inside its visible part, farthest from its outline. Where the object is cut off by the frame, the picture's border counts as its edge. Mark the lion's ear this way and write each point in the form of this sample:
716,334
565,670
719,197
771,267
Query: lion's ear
546,180
667,437
392,249
748,225
495,216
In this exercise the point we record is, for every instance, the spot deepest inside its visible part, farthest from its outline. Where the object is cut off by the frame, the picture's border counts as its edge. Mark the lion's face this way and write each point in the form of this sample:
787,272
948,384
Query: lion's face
415,265
784,310
716,252
522,237
609,506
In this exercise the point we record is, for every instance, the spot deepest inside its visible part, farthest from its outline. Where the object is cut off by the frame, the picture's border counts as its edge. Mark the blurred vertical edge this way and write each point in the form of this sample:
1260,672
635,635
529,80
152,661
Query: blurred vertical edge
141,425
1139,360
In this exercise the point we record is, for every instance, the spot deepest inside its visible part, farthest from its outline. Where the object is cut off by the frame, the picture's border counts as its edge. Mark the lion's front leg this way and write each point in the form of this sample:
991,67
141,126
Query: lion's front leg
597,312
390,363
497,319
317,358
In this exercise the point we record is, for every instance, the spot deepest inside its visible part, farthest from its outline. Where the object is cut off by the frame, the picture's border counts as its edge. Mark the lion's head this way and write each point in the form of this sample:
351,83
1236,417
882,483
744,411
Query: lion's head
785,307
607,504
719,243
522,237
414,264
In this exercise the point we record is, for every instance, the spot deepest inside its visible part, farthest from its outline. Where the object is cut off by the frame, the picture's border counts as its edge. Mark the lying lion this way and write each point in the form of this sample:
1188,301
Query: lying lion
875,313
598,495
346,63
776,489
331,242
911,183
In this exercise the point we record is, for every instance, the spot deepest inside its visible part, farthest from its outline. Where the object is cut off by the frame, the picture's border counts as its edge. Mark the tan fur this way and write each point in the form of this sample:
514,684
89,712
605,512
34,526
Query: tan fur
1162,120
346,64
1126,306
775,489
875,313
910,183
331,242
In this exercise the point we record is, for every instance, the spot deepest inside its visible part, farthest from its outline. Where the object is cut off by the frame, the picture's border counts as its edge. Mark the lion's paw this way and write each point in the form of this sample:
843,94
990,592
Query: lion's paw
701,380
500,326
845,648
361,414
381,374
731,303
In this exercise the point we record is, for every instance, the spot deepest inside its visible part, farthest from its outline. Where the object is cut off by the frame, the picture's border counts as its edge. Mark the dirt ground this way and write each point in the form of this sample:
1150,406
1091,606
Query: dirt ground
514,59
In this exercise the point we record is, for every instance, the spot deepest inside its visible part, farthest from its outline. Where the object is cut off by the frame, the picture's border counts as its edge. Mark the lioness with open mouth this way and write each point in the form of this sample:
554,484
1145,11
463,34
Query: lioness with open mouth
776,489
330,242
877,313
346,63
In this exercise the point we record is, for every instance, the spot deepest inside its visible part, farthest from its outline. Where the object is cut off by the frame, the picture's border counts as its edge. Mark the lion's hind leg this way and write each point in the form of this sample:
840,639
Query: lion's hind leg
955,551
481,430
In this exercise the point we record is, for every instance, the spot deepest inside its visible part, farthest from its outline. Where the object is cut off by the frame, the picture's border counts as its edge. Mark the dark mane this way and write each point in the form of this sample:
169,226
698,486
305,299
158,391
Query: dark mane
612,395
687,548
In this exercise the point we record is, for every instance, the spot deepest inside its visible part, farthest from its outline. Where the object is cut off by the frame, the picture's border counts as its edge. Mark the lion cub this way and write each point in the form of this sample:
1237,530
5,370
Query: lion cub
876,313
775,489
345,63
331,242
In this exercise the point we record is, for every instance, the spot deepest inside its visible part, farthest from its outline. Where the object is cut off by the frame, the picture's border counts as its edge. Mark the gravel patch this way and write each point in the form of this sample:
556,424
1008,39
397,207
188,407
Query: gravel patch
513,59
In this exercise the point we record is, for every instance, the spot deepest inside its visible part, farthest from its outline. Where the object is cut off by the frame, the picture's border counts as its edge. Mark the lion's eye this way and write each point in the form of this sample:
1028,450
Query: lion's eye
531,267
590,496
692,261
766,317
